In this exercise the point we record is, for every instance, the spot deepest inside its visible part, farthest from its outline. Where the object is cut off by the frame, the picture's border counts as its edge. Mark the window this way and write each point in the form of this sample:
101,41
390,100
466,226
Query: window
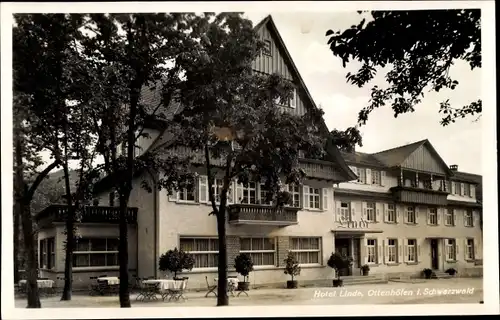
205,251
314,197
468,220
267,48
43,254
51,252
370,211
457,188
218,185
361,175
249,193
345,212
293,99
187,194
410,214
432,216
466,191
412,250
392,250
96,252
306,250
294,190
376,177
261,250
449,219
391,213
264,193
469,249
450,250
371,250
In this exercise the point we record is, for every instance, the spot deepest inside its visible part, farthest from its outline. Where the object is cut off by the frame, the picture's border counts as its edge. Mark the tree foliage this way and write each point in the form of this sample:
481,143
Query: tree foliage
292,266
419,47
175,261
348,139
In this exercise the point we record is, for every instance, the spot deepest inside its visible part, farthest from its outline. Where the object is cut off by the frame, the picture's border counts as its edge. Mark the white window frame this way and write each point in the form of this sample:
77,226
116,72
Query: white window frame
270,51
252,186
371,211
251,252
450,247
362,175
92,252
376,177
314,198
449,219
433,216
391,212
345,211
262,194
411,213
469,249
196,254
182,195
296,251
294,190
51,253
43,254
411,254
371,251
468,218
293,99
392,251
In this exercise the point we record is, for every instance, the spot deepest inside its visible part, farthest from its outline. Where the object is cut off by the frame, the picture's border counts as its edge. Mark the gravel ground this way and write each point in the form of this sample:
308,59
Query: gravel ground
456,290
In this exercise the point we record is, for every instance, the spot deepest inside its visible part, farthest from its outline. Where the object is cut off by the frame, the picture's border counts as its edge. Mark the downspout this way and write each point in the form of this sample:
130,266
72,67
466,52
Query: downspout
156,210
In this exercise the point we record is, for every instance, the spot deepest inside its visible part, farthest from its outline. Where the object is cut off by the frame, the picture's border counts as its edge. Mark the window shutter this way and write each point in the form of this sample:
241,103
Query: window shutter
462,189
380,244
476,253
377,211
385,244
239,192
363,210
454,214
293,99
404,212
428,217
418,250
353,211
230,192
473,191
203,189
174,196
337,210
325,199
438,211
368,176
476,218
416,214
456,249
354,169
398,212
305,197
386,212
466,250
453,187
405,250
365,252
382,178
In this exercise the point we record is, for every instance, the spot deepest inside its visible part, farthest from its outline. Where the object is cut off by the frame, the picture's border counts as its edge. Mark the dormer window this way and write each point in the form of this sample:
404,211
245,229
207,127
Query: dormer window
267,48
293,99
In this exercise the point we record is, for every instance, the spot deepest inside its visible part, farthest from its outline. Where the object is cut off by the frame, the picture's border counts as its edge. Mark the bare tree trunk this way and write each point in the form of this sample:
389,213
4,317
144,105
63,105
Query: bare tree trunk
222,298
17,214
70,238
123,251
31,265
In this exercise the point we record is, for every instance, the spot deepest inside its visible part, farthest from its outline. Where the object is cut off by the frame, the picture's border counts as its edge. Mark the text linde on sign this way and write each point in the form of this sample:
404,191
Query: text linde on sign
350,224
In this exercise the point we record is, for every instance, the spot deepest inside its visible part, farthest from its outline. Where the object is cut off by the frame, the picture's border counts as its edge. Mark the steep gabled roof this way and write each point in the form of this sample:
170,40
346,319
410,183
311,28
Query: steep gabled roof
396,156
333,151
361,158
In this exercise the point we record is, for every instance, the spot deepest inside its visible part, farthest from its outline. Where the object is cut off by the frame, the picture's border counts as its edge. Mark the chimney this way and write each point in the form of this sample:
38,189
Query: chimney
454,167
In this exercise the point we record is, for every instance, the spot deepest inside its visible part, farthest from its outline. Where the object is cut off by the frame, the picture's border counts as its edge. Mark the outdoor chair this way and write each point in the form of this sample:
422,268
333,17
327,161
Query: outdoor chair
93,286
177,293
103,287
211,288
149,291
140,287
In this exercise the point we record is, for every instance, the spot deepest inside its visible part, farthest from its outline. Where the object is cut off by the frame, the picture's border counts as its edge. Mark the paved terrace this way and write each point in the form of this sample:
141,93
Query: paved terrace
459,290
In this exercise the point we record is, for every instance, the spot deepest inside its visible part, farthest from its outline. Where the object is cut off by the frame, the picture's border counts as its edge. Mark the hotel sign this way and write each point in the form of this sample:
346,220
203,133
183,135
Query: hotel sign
350,224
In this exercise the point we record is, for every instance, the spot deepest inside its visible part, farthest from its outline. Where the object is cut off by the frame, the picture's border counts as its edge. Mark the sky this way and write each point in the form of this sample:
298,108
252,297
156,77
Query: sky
324,76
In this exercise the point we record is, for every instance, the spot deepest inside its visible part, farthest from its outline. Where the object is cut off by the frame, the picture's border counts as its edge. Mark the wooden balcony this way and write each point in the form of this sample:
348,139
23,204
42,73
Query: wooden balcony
90,214
419,195
254,214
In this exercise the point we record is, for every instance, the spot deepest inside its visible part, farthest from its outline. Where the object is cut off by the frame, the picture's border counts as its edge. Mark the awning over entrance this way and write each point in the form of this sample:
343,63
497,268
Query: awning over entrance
354,233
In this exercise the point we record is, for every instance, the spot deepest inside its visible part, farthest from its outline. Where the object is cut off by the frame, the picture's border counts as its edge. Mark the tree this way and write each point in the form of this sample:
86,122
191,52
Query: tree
419,46
230,116
130,52
348,139
175,261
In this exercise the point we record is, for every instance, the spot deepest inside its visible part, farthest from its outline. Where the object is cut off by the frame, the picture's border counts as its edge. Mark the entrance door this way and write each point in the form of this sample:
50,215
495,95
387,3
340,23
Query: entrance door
434,254
343,246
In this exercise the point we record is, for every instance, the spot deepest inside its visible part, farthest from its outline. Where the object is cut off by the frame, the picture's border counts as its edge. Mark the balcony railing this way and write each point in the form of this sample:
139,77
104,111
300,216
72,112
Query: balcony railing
89,214
255,214
419,195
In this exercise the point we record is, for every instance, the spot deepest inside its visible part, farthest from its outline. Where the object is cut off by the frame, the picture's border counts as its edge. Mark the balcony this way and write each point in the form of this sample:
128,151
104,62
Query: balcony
95,214
254,214
419,195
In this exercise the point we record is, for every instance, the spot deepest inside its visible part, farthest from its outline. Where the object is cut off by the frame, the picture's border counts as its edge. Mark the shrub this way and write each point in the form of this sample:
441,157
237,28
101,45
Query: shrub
292,267
338,261
243,265
175,261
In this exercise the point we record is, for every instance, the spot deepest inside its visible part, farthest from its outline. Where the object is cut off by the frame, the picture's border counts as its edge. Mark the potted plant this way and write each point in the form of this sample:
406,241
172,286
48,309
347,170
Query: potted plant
292,268
451,271
365,269
175,261
243,265
427,273
338,262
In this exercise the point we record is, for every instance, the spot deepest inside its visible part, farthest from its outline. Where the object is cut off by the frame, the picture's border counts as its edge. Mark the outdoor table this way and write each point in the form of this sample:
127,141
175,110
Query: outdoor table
166,287
41,283
111,280
232,284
